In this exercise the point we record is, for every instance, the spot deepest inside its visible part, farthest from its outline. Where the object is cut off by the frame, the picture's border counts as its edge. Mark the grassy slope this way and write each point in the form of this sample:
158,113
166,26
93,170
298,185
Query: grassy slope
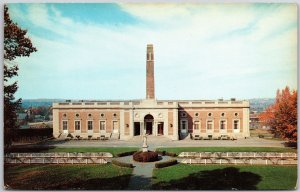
178,150
217,177
99,177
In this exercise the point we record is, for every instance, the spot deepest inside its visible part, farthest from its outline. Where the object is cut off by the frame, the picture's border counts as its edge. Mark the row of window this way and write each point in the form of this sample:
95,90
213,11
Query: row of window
90,115
209,124
90,125
184,114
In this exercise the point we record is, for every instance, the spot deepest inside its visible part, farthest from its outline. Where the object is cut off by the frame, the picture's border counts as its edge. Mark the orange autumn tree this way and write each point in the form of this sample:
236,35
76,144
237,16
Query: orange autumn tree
282,115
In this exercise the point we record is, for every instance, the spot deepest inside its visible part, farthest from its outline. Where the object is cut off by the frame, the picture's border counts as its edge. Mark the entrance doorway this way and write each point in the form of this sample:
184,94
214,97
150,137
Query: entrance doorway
137,128
149,124
160,128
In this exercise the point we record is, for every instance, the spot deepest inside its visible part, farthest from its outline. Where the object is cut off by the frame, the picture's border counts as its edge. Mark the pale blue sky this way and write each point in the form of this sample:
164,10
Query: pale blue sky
202,51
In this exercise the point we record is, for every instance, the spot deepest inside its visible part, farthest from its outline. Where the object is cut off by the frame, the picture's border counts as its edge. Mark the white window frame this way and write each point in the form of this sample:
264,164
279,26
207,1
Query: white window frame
90,130
239,126
212,126
186,126
115,130
104,125
65,130
220,123
199,125
77,130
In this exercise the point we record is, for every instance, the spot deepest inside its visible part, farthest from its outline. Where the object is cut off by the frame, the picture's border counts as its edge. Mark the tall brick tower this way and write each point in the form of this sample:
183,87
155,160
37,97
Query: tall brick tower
150,92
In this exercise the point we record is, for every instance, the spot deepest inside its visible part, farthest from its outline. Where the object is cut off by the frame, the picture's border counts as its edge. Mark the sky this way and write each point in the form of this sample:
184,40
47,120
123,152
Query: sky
202,51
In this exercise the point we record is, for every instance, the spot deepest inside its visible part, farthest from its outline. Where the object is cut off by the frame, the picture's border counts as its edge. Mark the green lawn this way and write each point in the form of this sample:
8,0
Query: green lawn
178,150
112,150
96,177
225,177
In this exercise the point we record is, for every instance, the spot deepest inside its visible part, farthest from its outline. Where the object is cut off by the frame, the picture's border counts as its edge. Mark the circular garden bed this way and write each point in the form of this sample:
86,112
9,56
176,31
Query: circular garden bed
149,156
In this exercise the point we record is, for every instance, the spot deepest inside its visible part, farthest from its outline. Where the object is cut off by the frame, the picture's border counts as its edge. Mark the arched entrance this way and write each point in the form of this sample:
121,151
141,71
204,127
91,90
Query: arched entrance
148,119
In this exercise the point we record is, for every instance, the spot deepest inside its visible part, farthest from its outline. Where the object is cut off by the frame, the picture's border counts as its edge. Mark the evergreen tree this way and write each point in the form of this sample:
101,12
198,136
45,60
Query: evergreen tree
16,44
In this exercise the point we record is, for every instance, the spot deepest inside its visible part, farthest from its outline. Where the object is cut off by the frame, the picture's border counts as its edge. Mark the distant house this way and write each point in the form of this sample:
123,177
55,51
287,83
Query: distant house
22,120
39,118
254,120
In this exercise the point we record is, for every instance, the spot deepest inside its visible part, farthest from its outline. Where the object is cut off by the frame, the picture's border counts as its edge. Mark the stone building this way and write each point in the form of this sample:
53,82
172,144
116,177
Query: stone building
174,119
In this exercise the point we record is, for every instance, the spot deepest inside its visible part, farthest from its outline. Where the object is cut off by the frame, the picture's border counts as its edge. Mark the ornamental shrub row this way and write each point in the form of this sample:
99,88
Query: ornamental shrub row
163,153
166,163
122,164
125,153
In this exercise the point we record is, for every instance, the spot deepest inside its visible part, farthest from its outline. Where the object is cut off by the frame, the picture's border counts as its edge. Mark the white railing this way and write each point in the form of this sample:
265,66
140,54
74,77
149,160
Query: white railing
58,158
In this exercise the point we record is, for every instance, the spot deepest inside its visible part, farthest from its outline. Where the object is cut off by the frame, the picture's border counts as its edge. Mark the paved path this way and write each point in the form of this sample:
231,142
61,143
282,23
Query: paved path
160,141
142,173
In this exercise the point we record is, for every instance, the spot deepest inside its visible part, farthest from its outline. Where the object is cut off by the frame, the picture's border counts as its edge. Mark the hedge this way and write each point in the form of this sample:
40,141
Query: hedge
122,164
166,153
125,153
149,156
33,132
166,163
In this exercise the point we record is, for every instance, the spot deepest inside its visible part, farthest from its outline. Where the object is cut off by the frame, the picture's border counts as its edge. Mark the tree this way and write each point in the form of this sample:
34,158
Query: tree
282,115
16,44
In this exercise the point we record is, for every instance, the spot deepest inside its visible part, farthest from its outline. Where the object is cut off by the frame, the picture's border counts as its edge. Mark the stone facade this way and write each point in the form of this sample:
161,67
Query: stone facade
175,119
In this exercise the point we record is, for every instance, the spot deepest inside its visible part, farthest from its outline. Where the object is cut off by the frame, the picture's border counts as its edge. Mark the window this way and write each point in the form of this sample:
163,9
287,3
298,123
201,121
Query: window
236,124
77,125
102,114
90,115
65,125
222,114
115,115
90,125
102,125
209,125
196,125
115,125
183,114
222,124
209,114
64,115
183,125
236,114
196,114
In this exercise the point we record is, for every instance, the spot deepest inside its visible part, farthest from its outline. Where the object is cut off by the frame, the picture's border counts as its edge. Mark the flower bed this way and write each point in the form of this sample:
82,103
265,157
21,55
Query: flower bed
149,156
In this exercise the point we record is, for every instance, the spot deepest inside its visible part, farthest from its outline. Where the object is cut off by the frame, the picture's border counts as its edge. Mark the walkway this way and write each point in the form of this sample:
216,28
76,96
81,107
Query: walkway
142,173
161,141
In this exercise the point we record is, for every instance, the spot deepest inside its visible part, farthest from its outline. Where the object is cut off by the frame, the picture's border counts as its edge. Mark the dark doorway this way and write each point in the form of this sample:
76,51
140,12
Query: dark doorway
160,128
137,128
149,124
149,128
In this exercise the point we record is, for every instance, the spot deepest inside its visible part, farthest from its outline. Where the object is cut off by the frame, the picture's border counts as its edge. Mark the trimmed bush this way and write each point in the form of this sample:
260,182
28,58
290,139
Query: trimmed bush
163,153
166,163
30,133
122,164
125,154
149,156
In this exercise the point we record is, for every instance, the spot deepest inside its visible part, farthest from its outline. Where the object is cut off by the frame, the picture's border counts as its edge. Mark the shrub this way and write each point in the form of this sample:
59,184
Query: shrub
121,164
166,153
166,163
125,153
149,156
32,133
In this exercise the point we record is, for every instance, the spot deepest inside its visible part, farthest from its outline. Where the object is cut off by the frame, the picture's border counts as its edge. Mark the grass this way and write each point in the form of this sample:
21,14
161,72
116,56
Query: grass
95,177
112,150
178,150
225,177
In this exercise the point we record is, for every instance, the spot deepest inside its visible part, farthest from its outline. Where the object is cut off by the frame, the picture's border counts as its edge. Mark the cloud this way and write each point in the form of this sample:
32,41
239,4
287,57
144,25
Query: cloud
225,48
